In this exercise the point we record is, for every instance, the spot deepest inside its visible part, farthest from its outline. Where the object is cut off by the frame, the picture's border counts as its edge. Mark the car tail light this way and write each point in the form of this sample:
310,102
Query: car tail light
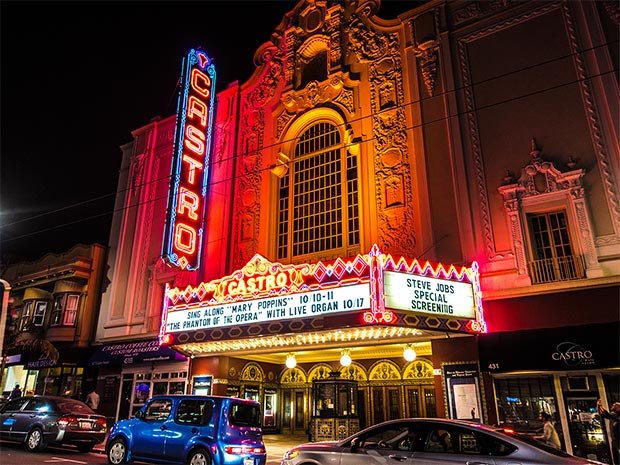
235,450
66,420
509,430
102,422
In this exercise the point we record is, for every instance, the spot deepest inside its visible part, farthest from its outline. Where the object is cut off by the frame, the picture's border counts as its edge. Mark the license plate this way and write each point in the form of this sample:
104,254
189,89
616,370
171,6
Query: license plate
248,461
88,425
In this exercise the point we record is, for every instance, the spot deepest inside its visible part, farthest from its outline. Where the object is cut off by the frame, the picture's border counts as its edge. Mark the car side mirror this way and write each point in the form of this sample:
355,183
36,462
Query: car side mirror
355,444
139,414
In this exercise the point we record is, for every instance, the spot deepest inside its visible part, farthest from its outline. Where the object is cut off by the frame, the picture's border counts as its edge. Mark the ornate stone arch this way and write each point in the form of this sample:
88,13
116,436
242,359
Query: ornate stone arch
252,372
418,369
355,371
293,376
319,371
384,370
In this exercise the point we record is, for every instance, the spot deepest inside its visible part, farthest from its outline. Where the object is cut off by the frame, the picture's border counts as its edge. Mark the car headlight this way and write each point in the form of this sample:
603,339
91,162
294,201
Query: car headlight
291,454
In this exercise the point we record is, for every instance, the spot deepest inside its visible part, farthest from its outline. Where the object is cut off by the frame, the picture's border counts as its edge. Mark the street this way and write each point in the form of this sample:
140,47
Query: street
12,453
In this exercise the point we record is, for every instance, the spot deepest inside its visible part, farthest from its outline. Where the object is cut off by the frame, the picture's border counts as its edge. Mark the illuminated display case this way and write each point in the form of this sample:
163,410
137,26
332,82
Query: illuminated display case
334,408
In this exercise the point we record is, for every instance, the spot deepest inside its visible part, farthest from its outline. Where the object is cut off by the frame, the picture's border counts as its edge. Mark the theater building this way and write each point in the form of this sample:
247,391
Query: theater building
444,182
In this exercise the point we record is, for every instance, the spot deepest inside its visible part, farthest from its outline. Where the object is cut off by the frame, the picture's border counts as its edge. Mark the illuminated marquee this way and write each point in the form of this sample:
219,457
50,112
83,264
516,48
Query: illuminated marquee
378,288
190,163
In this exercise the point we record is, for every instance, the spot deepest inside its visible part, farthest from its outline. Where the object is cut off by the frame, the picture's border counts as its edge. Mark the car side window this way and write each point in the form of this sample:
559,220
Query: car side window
39,405
14,405
194,412
394,437
439,440
158,410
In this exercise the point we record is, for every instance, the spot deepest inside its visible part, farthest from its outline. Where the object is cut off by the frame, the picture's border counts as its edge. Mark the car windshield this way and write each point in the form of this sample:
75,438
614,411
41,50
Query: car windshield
536,443
242,414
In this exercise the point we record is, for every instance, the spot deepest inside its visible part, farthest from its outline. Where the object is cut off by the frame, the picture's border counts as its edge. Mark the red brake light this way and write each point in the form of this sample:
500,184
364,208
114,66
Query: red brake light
243,450
64,421
509,430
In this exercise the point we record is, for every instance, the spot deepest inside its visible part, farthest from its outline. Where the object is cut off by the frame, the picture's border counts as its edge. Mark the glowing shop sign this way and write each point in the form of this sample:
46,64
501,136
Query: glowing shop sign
439,297
303,305
190,163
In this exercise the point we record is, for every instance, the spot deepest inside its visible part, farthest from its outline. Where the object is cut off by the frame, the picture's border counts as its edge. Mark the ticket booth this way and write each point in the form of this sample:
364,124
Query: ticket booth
334,408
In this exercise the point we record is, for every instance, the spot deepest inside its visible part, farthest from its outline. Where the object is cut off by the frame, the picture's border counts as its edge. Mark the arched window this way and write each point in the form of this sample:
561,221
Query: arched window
318,204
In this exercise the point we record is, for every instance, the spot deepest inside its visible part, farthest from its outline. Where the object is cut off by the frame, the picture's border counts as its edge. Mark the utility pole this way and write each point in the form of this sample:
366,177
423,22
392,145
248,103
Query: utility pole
4,308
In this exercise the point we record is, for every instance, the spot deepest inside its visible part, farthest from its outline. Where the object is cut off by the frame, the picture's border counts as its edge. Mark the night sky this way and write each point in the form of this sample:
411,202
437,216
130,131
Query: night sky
77,77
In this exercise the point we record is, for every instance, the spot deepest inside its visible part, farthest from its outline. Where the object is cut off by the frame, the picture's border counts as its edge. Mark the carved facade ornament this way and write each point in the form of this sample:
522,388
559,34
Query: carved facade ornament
252,372
319,371
315,93
137,171
367,45
427,57
384,370
293,376
418,369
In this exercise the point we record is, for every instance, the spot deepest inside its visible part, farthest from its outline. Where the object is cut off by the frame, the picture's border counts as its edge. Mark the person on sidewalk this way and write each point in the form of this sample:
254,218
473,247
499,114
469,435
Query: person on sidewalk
549,435
16,393
92,399
613,415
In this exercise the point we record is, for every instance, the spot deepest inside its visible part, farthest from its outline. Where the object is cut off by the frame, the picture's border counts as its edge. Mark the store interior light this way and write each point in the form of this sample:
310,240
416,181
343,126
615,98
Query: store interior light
409,353
345,358
291,361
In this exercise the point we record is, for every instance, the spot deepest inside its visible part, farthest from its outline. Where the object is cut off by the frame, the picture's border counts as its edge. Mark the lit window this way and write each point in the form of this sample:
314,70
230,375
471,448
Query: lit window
318,214
71,309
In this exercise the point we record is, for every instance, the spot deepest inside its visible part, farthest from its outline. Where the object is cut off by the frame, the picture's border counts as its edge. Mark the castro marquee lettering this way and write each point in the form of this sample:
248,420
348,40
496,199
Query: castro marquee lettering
571,354
190,163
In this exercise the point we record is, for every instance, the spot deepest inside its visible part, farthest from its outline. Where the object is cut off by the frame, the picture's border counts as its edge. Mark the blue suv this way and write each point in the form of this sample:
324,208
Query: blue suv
194,430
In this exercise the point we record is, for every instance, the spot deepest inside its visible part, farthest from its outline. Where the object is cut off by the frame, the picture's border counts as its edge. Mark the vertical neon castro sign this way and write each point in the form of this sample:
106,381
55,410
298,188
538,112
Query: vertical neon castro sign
189,173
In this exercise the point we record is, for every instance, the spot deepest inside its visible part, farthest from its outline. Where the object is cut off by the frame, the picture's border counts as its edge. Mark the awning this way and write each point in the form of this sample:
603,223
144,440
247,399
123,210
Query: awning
127,353
555,349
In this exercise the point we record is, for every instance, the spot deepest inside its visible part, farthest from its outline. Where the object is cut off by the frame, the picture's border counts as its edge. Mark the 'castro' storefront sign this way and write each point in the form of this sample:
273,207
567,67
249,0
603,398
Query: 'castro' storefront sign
380,288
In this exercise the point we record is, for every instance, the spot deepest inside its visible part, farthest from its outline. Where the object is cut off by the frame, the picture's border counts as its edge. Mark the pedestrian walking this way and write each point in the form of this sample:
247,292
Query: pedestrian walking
16,392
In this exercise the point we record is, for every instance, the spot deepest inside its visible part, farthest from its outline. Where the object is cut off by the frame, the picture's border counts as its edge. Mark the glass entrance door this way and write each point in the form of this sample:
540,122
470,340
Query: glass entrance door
586,434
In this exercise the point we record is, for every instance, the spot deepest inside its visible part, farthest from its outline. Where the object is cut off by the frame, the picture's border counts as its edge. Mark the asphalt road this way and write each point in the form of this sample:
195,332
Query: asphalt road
14,454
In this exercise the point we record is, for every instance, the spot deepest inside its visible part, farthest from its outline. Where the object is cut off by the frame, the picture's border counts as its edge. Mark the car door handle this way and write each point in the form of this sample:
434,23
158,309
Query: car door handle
163,427
400,458
477,463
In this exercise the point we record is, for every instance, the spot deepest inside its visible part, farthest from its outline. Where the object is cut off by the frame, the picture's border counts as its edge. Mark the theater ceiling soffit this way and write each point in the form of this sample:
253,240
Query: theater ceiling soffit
376,342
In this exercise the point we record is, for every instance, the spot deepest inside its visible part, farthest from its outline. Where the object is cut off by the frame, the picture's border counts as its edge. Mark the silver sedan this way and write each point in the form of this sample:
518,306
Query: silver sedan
429,441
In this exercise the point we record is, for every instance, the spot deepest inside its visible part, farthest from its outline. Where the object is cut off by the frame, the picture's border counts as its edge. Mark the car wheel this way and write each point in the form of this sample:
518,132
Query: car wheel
34,440
117,453
198,457
85,447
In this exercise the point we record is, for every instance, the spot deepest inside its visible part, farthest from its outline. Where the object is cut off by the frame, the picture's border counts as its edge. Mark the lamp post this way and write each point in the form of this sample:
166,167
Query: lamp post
4,308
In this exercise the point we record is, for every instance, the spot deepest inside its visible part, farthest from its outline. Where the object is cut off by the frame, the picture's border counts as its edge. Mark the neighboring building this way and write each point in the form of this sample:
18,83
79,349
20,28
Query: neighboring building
478,134
54,299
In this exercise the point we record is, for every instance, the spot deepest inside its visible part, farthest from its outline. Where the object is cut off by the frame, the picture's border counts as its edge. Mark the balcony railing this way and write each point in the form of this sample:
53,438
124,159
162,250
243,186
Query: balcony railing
551,270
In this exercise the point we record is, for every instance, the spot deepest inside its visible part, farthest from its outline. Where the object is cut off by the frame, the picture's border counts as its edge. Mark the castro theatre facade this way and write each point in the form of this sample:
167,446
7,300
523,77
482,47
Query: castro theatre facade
268,330
379,187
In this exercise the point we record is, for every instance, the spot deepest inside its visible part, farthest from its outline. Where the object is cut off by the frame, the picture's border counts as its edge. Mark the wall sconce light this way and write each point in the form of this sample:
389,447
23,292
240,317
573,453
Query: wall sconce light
291,361
345,358
409,353
280,167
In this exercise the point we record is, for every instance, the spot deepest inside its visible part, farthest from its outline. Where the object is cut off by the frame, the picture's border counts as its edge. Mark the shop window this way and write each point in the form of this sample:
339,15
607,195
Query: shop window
520,401
318,201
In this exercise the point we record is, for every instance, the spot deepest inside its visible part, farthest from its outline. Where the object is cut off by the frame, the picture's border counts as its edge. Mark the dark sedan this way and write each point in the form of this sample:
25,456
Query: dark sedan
37,421
428,441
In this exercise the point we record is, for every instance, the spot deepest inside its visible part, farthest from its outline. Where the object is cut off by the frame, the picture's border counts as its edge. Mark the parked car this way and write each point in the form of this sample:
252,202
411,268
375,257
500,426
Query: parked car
38,421
430,441
188,429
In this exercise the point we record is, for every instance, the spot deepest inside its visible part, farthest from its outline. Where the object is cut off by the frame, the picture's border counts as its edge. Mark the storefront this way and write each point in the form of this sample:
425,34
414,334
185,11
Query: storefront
131,372
562,371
